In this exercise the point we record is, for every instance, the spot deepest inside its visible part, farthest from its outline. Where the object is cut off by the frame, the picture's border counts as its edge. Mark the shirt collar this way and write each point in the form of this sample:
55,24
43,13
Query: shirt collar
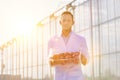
60,34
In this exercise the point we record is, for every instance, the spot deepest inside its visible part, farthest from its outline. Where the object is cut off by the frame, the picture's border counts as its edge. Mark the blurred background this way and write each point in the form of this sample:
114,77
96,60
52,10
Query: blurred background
27,25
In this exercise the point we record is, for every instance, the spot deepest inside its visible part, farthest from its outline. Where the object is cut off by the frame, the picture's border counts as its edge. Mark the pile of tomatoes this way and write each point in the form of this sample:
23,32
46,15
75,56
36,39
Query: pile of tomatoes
65,58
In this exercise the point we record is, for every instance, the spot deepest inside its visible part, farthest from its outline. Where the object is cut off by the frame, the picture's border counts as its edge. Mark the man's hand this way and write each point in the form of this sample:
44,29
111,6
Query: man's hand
83,59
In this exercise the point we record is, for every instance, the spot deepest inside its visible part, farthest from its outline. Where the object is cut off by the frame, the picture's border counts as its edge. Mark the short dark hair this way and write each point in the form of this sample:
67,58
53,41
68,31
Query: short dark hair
67,12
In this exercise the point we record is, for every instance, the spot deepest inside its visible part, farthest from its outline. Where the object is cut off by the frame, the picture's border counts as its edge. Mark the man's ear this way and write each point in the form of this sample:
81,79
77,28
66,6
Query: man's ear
60,21
73,22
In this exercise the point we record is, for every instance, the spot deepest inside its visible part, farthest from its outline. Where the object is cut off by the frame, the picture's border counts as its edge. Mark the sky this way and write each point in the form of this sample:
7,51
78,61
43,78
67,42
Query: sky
19,16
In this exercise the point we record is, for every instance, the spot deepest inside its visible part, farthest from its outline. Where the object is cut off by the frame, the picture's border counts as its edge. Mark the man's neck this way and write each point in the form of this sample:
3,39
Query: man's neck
66,33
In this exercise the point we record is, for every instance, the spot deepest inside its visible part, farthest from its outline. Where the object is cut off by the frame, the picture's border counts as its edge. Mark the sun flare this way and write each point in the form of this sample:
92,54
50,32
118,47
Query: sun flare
23,27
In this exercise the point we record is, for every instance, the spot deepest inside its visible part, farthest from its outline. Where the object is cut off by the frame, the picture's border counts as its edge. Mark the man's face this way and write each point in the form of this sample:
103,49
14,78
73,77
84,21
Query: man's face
66,21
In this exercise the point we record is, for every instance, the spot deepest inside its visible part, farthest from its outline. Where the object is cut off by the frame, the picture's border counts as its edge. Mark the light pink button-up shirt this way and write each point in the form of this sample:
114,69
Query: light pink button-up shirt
75,43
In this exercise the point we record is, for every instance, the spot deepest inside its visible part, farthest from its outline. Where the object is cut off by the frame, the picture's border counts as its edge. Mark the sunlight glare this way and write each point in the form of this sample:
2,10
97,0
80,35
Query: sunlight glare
24,27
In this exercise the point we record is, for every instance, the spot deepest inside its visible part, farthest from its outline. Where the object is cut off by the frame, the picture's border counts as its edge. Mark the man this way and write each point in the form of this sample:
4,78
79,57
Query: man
69,42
